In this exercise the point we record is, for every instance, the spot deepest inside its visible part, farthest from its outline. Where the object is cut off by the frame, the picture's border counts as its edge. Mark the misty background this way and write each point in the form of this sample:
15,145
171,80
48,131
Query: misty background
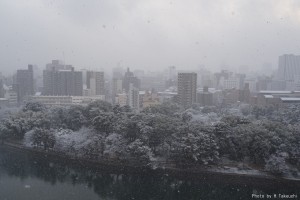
150,34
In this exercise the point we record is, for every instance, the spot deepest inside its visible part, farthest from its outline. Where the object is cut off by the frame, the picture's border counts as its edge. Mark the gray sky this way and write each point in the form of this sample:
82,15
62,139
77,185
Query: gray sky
148,34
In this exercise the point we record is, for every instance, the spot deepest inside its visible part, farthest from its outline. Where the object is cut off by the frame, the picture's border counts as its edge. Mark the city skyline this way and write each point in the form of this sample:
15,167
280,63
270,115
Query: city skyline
97,35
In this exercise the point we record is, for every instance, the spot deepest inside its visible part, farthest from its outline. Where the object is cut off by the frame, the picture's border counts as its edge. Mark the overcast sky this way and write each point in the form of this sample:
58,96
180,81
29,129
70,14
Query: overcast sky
148,34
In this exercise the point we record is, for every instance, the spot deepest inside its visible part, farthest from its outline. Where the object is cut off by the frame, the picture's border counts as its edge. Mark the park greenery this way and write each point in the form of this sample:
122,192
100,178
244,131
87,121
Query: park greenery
264,137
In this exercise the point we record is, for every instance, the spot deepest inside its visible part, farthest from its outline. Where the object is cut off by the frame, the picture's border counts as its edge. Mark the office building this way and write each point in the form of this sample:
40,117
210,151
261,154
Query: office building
187,89
128,79
121,99
24,83
11,96
62,82
117,86
95,82
66,100
1,88
288,67
133,97
57,65
204,97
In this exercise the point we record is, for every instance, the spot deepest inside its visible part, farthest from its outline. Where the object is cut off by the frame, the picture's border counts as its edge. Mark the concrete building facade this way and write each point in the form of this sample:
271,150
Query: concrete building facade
187,89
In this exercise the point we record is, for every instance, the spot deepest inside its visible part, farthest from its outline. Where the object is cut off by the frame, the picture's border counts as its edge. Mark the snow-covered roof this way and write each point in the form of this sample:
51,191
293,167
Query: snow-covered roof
290,99
267,96
166,93
274,92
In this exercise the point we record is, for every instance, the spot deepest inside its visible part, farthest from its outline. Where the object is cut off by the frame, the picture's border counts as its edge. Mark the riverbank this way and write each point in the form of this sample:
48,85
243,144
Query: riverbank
211,173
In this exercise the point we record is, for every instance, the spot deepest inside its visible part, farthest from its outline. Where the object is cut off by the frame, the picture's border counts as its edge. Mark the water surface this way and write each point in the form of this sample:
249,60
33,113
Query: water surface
26,176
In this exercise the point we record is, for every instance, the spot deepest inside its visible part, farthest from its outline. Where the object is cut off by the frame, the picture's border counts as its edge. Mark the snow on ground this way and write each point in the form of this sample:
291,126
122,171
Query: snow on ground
235,170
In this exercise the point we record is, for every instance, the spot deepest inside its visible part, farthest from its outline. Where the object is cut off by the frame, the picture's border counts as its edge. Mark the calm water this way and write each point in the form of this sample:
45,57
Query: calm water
24,176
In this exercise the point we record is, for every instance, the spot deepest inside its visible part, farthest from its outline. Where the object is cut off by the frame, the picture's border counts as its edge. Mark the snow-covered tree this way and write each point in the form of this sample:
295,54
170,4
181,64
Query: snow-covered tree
195,147
75,118
43,138
276,164
104,122
140,151
34,107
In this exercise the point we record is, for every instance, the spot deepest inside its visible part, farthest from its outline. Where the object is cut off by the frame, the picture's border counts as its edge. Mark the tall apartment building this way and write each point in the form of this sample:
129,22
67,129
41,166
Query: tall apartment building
24,83
1,88
187,89
129,78
117,86
95,82
288,67
133,97
57,65
62,82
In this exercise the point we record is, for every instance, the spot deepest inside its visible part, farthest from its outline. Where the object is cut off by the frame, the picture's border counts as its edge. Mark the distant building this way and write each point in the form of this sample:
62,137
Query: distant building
129,78
148,98
288,67
277,98
95,82
57,65
11,96
172,73
167,96
2,93
117,73
252,83
205,98
225,80
231,96
244,94
4,102
150,82
117,86
187,89
277,85
263,84
66,100
121,99
133,97
62,82
24,85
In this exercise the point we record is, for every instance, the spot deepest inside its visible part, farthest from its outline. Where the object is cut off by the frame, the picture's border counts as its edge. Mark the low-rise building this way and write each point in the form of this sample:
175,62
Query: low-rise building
205,98
148,99
66,100
277,98
121,99
12,97
4,102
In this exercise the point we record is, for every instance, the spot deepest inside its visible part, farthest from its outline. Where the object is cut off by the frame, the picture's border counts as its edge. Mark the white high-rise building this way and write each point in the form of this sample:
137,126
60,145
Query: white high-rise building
95,82
288,67
187,89
133,97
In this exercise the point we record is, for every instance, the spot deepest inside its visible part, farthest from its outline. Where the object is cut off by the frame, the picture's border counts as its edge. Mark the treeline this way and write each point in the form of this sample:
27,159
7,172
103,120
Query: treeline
261,136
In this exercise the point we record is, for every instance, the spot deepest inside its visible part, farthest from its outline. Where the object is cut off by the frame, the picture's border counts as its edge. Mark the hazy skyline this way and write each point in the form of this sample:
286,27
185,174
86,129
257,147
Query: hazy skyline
148,34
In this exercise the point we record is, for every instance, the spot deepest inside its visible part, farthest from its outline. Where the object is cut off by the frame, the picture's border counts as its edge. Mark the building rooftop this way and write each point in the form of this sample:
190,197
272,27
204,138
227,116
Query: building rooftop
290,99
267,96
274,92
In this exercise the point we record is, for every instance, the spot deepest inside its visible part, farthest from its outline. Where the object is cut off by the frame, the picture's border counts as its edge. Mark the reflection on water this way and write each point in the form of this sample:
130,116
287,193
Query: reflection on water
24,176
